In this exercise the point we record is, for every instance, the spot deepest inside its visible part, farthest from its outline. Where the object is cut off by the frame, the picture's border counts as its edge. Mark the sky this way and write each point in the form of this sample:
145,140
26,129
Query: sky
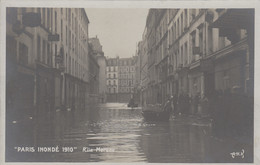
119,30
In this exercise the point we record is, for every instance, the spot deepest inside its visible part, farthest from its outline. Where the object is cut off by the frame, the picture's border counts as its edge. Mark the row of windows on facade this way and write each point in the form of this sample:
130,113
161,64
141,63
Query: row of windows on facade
121,90
23,55
73,21
121,82
73,31
175,31
114,62
182,55
76,47
121,76
180,23
72,66
121,69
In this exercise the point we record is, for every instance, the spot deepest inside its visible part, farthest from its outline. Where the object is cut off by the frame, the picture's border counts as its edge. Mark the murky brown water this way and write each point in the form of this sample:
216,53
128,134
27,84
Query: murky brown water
115,133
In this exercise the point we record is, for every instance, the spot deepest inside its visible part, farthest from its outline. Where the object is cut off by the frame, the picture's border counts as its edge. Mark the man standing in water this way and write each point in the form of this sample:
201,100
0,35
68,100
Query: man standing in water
168,105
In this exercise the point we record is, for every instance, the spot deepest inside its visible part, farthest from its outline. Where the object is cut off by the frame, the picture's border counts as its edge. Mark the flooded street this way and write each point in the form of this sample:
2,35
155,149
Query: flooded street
115,133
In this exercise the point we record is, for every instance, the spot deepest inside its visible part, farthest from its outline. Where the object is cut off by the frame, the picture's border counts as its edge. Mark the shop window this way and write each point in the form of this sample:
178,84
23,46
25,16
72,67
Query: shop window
23,54
38,48
226,83
11,50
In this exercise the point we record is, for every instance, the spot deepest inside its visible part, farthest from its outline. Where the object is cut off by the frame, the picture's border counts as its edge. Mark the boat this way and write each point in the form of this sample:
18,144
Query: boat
132,105
155,113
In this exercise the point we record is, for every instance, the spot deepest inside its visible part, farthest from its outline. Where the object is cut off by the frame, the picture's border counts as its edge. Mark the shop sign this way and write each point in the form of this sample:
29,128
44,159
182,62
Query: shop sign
53,37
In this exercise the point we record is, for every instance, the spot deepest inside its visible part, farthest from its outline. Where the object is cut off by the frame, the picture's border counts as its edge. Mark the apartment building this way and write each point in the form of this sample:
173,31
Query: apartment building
112,79
126,78
198,51
47,65
101,61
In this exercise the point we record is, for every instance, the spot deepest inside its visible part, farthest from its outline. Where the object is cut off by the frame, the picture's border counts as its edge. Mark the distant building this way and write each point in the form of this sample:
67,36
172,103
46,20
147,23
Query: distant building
101,60
126,78
94,76
141,65
112,79
120,79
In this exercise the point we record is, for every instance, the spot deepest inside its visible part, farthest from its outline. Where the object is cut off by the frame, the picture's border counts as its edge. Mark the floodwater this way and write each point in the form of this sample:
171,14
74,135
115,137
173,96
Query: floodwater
113,132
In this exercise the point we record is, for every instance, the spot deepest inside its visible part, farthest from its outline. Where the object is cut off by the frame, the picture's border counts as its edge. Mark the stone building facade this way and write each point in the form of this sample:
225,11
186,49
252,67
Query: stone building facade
198,52
48,71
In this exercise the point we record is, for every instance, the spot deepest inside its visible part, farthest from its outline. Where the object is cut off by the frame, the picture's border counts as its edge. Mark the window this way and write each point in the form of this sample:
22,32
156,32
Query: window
114,82
185,18
181,24
43,51
185,53
48,54
43,16
38,48
70,68
69,39
66,35
61,29
210,40
192,14
193,41
226,83
11,49
114,75
48,18
181,55
177,34
72,18
55,22
201,39
69,16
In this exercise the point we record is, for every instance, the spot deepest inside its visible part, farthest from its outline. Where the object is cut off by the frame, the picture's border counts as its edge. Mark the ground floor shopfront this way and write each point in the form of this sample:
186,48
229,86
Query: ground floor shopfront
35,97
223,72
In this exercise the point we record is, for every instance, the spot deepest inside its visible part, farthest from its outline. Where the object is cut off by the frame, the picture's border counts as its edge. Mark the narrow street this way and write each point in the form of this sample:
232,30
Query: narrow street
115,133
82,84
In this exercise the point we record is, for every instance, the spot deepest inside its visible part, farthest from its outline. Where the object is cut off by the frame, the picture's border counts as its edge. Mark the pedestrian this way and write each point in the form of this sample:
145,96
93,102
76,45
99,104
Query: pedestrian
196,100
168,105
204,105
180,104
175,107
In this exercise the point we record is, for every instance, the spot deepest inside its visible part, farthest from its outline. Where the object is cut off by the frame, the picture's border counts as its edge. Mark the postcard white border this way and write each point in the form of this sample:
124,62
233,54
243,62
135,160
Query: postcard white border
131,4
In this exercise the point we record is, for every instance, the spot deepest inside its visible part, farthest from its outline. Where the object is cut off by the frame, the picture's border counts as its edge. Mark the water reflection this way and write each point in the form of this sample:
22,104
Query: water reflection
128,138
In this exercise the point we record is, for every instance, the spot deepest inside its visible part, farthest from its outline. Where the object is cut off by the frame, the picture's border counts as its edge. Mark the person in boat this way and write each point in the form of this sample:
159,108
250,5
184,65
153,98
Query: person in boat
131,102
